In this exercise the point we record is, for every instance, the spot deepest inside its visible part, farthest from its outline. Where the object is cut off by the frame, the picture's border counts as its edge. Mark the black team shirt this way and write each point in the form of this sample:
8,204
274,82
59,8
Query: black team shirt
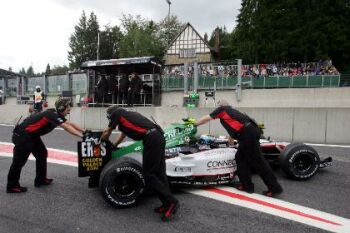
231,119
41,123
132,124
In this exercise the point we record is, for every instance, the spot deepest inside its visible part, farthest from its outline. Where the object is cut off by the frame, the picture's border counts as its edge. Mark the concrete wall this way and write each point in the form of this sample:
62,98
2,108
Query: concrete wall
322,117
272,98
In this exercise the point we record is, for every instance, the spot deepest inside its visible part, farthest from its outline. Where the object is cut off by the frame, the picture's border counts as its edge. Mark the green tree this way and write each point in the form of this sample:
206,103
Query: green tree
59,70
30,71
293,30
91,37
48,69
22,71
225,48
83,42
110,39
169,28
144,37
139,35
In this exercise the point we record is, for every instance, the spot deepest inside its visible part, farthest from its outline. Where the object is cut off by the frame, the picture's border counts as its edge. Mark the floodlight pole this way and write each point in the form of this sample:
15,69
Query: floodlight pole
239,80
169,3
98,45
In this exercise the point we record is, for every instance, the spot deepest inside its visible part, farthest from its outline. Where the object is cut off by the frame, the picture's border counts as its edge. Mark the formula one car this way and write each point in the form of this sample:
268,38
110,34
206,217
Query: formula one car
190,160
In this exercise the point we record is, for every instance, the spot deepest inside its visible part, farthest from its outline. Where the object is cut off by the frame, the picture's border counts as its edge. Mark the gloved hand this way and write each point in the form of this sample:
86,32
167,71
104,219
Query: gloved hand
87,133
113,146
189,121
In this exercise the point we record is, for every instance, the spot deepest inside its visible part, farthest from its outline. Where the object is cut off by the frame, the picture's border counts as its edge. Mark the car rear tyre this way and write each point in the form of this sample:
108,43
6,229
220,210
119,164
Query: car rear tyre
122,182
299,161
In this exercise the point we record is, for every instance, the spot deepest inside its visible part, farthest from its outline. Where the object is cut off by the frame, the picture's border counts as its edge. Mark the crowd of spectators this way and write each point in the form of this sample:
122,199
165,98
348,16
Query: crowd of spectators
256,70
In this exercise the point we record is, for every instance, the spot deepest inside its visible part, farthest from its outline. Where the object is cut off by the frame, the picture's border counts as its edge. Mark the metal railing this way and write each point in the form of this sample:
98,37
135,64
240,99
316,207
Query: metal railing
173,83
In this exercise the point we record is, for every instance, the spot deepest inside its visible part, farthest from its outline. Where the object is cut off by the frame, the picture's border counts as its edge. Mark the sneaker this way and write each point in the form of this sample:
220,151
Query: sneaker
270,193
170,211
16,189
46,181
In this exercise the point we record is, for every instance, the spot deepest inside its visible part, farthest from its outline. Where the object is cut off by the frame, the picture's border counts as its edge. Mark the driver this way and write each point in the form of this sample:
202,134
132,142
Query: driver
26,137
248,156
138,127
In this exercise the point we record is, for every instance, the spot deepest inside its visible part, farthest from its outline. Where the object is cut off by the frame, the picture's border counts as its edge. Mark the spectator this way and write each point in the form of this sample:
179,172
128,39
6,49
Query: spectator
134,88
123,89
102,87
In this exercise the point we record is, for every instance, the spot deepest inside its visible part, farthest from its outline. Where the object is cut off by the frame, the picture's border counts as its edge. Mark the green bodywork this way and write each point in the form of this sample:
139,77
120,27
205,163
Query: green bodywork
175,135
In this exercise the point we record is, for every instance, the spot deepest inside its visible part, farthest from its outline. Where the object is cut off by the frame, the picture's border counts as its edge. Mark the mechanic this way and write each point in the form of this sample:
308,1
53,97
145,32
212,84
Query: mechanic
26,137
241,127
138,127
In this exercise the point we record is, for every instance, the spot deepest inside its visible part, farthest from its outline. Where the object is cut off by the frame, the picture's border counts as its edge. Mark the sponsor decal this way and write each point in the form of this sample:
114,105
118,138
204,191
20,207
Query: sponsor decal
177,132
221,163
130,169
182,169
92,156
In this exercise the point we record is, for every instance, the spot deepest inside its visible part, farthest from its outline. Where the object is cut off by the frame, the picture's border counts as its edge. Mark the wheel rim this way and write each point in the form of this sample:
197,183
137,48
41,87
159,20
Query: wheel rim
302,163
124,185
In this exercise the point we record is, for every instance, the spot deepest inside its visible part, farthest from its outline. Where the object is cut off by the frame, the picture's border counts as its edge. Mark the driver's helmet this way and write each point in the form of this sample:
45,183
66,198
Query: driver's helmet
206,139
62,103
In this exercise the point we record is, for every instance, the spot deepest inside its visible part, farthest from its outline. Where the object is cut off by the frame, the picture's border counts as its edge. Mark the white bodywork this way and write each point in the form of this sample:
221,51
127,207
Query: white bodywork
211,162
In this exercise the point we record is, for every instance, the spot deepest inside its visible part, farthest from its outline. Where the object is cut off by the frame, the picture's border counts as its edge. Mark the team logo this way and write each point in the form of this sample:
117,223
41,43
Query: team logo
93,148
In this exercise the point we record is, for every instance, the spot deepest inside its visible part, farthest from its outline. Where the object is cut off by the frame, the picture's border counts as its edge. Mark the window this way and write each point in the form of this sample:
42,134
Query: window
187,53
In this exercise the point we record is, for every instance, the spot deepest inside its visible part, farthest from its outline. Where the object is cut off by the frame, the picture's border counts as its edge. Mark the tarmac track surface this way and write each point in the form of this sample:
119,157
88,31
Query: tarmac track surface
69,206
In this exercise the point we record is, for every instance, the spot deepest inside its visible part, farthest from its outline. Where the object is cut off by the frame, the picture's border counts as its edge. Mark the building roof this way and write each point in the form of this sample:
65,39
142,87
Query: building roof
9,74
182,30
122,62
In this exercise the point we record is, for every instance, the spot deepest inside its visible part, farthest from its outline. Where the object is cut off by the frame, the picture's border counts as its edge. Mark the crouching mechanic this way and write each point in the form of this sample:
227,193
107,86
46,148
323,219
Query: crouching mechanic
241,127
26,137
138,127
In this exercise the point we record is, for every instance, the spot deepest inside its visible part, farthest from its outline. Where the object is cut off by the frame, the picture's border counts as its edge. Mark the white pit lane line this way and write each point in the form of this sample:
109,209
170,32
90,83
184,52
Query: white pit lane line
276,207
273,206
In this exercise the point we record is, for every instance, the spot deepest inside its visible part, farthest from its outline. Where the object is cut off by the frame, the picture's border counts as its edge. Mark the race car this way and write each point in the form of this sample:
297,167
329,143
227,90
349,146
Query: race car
190,160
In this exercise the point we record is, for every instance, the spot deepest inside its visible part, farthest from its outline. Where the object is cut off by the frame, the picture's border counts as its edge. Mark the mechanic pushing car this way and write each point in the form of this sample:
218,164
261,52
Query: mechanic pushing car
26,137
138,127
241,127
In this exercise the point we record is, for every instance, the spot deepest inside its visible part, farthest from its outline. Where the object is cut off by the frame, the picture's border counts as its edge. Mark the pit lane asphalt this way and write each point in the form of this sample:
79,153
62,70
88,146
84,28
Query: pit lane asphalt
69,206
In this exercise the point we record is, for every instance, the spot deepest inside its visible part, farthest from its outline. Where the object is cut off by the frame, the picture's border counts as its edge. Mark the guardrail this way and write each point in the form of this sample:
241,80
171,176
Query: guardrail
171,83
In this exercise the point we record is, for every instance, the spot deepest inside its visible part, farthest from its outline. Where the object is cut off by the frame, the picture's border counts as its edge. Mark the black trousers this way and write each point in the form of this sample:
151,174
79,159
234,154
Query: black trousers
38,106
123,97
131,97
249,156
154,166
24,145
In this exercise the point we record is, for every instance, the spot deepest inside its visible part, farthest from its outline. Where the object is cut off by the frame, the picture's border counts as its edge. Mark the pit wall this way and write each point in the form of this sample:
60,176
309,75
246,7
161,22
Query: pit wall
315,116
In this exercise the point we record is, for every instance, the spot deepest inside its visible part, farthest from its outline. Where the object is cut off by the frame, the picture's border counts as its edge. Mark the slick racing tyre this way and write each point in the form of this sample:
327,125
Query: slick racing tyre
122,182
299,161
